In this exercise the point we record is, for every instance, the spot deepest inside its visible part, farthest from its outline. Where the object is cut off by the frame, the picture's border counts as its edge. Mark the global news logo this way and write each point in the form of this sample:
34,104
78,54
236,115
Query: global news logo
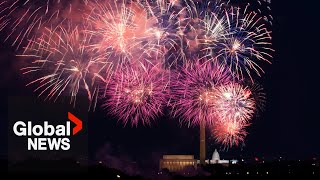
47,136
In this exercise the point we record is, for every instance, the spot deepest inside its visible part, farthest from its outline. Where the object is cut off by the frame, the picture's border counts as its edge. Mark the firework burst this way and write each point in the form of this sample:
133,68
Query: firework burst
246,42
234,106
233,102
24,19
162,41
197,21
113,27
229,133
193,91
131,53
125,31
61,58
137,94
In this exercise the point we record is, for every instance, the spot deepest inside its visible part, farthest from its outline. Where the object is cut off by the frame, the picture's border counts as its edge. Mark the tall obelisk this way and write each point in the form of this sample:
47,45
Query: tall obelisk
202,142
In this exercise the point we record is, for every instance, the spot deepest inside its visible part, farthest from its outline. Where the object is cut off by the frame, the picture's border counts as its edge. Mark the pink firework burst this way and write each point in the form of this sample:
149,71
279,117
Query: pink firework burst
233,102
192,93
24,19
120,29
229,133
113,28
62,64
126,31
137,94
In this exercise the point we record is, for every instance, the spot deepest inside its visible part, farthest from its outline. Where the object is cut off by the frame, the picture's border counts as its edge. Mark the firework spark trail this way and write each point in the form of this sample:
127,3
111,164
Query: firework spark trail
214,29
124,31
233,102
119,29
192,17
259,96
246,42
23,19
113,26
229,133
162,40
234,107
219,31
133,52
157,30
264,10
192,91
137,94
61,58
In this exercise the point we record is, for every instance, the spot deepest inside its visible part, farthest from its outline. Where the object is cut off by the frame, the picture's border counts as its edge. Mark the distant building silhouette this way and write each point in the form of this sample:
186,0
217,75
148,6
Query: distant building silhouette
176,163
216,160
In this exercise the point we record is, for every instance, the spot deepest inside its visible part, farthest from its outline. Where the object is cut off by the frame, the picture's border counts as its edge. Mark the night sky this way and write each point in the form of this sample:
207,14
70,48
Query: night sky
289,127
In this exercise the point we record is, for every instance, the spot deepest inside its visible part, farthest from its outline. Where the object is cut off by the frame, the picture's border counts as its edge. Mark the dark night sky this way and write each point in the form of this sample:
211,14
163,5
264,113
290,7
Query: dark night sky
289,126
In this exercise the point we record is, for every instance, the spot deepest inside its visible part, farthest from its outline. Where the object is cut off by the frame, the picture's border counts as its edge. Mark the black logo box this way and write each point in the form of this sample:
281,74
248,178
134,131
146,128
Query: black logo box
37,110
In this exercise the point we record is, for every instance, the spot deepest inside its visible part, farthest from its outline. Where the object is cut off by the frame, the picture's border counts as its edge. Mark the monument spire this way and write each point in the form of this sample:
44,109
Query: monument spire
202,142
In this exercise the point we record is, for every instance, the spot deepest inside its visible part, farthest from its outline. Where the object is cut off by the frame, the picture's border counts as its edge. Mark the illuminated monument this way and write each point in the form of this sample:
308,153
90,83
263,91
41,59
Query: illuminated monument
216,159
179,162
175,163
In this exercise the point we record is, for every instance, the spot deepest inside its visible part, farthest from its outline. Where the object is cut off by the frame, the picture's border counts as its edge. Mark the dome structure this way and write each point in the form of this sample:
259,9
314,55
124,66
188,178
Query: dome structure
215,156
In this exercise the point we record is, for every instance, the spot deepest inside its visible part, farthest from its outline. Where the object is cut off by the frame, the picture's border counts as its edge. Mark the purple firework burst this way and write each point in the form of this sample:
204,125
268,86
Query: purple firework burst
137,93
192,91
